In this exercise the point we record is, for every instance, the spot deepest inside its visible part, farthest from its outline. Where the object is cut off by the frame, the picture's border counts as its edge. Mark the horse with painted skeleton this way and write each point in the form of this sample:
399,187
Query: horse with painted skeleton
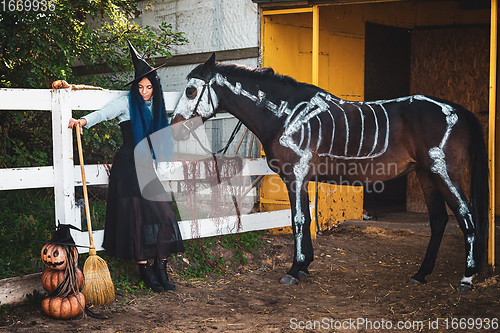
308,134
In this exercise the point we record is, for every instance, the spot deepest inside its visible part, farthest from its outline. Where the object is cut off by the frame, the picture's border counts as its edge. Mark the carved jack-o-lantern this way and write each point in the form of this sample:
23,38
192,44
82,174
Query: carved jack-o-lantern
54,256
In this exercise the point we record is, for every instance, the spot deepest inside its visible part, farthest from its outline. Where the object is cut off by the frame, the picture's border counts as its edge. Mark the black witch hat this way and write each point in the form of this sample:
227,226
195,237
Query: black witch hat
142,68
62,236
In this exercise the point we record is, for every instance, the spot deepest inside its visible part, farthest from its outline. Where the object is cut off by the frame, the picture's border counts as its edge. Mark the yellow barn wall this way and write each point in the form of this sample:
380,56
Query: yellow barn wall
293,56
287,48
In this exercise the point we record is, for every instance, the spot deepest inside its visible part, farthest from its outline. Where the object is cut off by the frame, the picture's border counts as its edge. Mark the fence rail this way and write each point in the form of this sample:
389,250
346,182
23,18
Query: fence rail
64,176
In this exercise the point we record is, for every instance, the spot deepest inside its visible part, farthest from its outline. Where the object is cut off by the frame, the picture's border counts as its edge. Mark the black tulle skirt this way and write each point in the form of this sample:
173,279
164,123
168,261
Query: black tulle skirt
137,228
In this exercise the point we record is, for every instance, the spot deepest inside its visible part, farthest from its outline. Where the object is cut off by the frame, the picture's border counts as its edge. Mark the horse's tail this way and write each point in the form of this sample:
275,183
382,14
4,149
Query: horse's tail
479,185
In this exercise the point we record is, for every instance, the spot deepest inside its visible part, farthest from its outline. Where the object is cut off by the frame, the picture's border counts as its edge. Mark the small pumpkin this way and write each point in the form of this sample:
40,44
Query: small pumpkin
64,307
55,256
51,278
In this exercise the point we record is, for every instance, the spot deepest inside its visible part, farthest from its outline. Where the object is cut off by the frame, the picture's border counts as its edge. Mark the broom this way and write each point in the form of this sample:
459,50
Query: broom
98,288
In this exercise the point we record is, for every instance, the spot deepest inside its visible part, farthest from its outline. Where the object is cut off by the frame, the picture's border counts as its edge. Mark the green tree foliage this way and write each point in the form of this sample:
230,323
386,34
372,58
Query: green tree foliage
38,47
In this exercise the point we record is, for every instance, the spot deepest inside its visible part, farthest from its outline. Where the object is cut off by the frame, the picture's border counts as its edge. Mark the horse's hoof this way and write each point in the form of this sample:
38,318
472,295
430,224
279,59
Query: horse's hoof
464,286
415,281
290,280
303,275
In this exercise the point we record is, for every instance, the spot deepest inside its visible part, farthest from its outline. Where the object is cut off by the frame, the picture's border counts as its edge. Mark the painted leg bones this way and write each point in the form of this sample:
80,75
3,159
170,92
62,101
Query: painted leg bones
439,167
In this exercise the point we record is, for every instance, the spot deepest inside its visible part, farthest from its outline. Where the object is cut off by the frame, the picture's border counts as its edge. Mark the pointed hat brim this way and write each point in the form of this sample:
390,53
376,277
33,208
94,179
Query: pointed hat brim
62,236
142,68
139,78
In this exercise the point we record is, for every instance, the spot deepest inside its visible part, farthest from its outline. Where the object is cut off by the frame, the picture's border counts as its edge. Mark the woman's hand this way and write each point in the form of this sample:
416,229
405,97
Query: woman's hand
73,122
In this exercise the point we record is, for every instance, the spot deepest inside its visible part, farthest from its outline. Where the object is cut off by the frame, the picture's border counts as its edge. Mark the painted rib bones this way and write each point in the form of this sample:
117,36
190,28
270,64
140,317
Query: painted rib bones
321,108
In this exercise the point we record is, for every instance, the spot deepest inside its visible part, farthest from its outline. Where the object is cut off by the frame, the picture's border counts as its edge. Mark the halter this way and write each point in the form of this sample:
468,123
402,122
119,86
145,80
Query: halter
190,122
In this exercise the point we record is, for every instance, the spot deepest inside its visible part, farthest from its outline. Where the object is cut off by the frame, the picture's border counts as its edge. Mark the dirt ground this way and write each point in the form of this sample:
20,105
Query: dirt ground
358,283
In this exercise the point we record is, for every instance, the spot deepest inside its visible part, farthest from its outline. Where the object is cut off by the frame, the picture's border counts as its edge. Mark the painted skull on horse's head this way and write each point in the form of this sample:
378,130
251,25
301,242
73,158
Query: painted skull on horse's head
307,133
198,102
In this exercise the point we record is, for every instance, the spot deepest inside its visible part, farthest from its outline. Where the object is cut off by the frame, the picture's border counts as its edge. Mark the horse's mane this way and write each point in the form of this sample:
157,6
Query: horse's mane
266,73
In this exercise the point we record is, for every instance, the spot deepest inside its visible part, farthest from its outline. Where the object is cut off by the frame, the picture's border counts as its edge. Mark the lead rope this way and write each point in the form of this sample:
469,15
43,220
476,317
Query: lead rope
222,150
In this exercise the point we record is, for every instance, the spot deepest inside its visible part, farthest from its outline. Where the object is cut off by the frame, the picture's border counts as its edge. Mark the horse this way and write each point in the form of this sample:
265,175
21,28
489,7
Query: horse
308,134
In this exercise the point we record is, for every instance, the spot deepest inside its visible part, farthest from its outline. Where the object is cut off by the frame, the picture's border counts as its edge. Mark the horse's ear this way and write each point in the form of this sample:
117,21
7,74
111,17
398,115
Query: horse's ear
208,67
268,70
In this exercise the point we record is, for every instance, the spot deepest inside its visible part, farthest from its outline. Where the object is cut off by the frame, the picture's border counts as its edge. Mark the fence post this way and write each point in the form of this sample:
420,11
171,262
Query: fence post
64,191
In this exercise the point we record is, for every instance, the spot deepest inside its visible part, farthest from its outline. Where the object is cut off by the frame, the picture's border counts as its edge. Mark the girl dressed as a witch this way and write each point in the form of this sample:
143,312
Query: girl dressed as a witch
140,222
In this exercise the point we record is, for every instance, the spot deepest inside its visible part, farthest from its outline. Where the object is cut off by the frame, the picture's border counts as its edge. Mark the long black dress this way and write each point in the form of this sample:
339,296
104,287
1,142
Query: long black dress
137,228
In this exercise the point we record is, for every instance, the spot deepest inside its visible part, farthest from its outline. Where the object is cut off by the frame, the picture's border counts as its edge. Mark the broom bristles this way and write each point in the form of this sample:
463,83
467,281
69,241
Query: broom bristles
98,287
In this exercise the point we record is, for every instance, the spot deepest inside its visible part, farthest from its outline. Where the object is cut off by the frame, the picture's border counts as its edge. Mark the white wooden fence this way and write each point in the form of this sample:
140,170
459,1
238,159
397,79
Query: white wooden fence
64,175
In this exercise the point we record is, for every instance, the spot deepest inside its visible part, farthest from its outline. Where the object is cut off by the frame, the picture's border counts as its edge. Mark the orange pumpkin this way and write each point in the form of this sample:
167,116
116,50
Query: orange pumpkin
54,256
64,308
51,278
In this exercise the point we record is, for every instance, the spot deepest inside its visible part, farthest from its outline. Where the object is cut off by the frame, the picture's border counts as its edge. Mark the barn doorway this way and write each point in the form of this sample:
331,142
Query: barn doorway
451,63
387,76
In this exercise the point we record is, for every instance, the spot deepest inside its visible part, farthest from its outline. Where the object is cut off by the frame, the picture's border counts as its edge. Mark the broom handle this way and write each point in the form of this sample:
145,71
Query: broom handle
85,196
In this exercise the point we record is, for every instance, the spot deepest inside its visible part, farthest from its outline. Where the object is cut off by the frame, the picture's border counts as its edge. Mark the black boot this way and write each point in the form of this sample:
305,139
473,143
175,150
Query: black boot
160,269
148,276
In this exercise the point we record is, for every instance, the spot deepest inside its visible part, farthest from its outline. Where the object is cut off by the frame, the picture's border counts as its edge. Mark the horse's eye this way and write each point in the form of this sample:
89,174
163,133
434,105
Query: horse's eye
191,92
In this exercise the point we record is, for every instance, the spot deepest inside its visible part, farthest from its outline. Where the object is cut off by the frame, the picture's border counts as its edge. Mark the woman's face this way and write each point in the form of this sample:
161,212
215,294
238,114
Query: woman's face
145,89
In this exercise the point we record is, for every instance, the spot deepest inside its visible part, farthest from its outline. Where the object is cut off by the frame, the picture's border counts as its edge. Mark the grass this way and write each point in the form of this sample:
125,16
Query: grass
28,215
201,257
124,280
25,216
27,220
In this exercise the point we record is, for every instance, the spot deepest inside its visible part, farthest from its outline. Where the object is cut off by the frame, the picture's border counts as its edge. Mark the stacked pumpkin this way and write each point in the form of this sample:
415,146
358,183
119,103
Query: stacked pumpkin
62,279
